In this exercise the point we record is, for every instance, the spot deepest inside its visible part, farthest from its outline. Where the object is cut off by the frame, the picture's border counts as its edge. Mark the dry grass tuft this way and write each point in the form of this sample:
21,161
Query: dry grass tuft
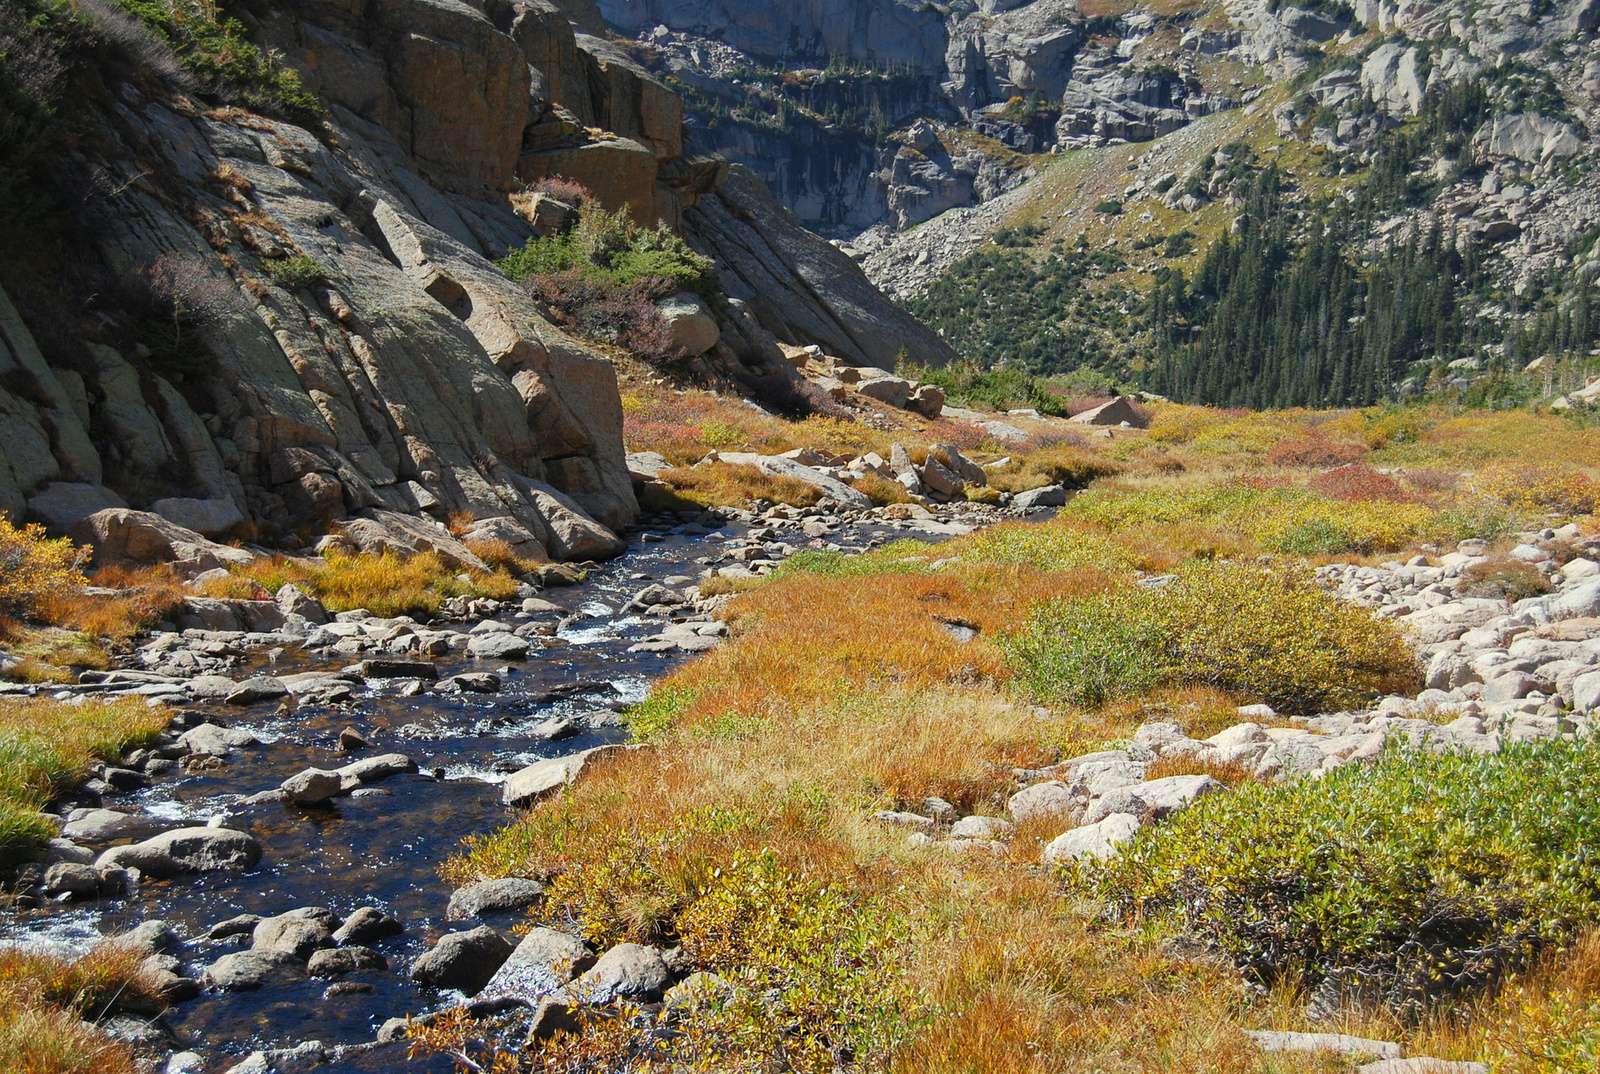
385,585
44,1001
734,486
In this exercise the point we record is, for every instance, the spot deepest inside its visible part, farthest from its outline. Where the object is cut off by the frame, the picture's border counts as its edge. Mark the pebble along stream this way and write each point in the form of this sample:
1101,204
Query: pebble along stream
382,847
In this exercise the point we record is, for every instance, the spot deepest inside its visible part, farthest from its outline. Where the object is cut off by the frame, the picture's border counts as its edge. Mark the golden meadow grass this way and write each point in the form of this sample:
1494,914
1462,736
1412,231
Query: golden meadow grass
46,746
843,694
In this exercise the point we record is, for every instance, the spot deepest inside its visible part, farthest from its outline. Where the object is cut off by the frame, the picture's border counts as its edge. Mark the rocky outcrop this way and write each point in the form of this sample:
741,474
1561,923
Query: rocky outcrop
895,31
352,355
798,286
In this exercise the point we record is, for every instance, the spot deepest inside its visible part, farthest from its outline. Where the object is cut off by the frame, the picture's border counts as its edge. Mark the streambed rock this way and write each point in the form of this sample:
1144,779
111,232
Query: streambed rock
367,925
338,961
464,961
493,896
216,741
314,786
185,850
547,776
246,971
544,961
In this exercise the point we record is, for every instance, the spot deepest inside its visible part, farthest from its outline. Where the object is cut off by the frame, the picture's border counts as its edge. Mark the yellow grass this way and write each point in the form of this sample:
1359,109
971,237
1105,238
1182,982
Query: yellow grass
46,746
44,1001
384,584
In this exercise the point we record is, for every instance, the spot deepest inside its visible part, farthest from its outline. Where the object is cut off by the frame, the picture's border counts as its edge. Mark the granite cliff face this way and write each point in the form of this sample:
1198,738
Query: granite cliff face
338,343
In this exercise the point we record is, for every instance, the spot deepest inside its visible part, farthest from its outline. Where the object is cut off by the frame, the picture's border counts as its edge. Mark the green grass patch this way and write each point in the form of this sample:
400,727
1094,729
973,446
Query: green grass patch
608,248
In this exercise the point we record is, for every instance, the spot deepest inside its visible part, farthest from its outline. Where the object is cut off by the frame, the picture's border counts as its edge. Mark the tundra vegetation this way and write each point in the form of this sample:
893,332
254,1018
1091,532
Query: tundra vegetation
744,834
1457,885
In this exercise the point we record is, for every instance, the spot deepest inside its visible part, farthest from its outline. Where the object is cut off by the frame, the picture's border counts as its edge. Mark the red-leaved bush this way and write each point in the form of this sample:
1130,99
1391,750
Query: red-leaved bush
567,191
963,434
623,315
1316,449
1358,481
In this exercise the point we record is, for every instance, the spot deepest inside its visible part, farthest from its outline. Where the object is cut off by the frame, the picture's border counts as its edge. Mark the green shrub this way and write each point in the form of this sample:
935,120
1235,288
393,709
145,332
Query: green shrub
295,273
1264,632
1110,207
217,52
609,248
1419,875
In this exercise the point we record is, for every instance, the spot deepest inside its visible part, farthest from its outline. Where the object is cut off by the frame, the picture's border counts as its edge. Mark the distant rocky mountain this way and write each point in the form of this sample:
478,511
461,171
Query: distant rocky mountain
915,134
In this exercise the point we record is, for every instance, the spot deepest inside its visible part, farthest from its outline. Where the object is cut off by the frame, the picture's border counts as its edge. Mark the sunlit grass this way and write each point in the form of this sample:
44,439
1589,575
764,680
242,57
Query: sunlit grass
46,746
385,585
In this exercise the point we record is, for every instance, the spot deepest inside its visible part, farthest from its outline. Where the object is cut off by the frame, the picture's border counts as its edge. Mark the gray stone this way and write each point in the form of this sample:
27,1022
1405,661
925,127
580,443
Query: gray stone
1099,840
690,324
982,828
1052,798
627,971
293,600
374,769
185,850
338,961
209,518
106,825
464,961
313,786
498,647
547,776
245,971
216,741
292,934
1048,496
256,690
67,878
1274,1040
242,925
63,504
493,896
543,962
367,925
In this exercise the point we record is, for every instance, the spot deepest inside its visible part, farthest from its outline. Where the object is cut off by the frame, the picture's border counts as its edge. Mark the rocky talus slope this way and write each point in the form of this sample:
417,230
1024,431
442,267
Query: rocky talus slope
259,326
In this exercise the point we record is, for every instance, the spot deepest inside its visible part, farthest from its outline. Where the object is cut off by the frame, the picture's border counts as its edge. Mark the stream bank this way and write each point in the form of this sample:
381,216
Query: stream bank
546,676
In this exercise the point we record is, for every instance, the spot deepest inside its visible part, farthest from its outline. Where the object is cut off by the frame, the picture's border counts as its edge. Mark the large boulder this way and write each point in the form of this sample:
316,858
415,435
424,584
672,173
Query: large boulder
1116,412
246,971
377,532
465,961
1100,840
627,971
185,850
544,961
493,896
546,777
1052,798
121,537
574,533
208,517
689,321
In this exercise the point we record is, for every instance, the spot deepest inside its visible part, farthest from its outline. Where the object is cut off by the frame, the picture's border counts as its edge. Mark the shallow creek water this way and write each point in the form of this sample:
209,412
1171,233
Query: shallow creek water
382,849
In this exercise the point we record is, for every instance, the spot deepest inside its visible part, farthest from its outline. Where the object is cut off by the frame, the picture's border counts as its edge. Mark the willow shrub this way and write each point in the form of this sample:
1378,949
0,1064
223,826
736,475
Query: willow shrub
1418,875
1264,632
